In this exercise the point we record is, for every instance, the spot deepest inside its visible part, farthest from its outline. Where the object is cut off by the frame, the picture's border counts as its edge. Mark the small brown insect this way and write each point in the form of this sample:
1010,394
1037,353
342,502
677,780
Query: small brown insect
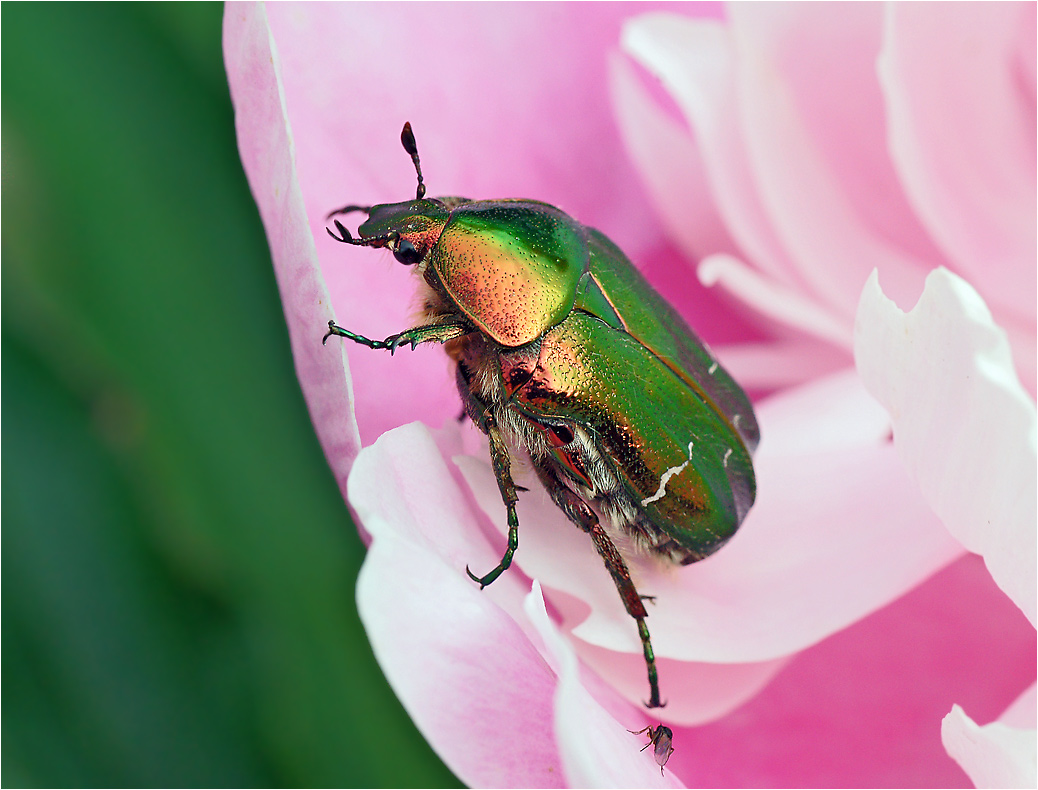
660,739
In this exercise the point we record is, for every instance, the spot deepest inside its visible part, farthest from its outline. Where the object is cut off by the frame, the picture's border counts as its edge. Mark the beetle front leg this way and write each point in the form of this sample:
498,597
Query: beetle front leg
420,334
580,513
503,472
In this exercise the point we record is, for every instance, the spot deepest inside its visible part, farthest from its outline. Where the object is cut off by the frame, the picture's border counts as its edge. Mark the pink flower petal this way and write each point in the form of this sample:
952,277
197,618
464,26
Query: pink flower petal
838,529
1023,713
770,298
596,750
552,549
671,165
963,425
813,556
467,673
694,60
772,366
812,116
831,414
267,151
695,692
961,112
993,755
861,709
784,737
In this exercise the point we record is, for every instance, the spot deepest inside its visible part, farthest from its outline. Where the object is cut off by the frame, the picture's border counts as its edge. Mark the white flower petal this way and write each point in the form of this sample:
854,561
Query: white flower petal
963,425
994,755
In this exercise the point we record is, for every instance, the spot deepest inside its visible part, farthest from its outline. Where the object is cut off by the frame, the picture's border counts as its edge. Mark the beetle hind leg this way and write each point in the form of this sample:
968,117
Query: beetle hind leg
580,513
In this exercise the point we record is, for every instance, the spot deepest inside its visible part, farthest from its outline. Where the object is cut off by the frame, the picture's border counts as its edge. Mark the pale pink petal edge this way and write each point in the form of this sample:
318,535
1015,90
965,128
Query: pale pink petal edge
784,305
670,164
790,117
463,667
267,153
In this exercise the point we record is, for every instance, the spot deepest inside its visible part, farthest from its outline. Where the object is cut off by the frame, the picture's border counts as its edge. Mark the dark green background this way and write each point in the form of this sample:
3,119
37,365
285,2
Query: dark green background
178,564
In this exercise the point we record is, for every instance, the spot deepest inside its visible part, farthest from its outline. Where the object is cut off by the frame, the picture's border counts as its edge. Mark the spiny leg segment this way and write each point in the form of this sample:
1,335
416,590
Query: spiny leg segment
580,513
420,334
477,411
484,420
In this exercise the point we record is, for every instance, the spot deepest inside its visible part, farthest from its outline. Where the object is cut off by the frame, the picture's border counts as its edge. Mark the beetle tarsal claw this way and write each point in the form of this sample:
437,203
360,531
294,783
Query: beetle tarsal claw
329,333
393,342
475,578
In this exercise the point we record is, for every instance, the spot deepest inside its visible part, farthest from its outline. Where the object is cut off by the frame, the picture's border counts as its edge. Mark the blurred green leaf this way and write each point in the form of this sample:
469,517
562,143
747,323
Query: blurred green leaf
179,567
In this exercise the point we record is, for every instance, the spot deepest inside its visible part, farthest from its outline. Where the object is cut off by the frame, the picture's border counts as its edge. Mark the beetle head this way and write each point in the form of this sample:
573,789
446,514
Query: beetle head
408,229
511,266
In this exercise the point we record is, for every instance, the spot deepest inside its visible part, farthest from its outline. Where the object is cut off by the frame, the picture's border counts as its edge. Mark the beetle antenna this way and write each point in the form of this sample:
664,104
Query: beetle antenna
372,241
407,138
344,235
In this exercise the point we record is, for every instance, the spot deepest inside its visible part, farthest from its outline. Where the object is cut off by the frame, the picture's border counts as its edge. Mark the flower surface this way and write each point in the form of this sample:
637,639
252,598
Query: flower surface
791,168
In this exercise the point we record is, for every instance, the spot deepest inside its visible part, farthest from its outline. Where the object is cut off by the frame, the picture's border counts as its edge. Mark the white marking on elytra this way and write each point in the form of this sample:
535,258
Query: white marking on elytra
674,470
736,419
724,461
712,369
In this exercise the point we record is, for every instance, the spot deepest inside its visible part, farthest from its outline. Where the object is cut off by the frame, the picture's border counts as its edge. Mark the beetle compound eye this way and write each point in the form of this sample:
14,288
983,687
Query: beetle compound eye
560,435
406,253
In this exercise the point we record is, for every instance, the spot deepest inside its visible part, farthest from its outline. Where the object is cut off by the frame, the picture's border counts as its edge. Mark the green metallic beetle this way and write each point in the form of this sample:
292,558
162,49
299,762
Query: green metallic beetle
562,349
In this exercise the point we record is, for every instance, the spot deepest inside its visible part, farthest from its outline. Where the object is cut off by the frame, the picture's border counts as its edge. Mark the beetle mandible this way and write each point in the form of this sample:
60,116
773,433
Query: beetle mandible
563,349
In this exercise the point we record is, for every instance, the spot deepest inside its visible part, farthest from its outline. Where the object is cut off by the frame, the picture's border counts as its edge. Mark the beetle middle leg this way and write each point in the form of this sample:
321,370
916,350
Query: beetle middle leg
580,513
420,334
503,472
